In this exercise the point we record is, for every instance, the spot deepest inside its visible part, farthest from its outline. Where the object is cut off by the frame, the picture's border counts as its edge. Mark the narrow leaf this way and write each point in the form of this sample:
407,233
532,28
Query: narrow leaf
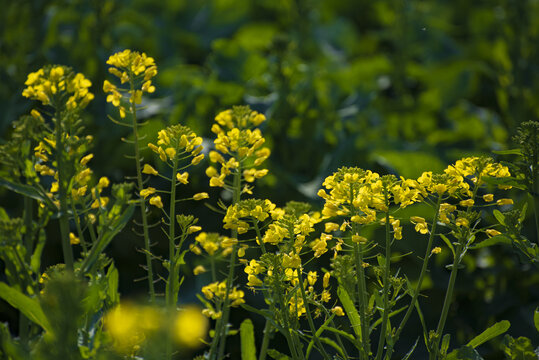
448,243
409,353
28,306
490,333
508,152
247,335
350,310
498,239
28,191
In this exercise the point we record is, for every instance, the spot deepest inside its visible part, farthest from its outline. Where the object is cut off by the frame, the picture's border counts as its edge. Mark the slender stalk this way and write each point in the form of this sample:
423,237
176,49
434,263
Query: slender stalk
79,229
459,252
292,341
309,317
221,331
447,302
24,323
383,329
173,273
62,193
265,341
362,293
171,235
420,280
535,181
142,202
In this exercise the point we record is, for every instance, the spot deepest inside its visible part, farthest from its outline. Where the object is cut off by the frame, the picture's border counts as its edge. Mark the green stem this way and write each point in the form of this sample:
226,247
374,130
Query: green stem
221,331
447,303
292,341
171,295
62,193
28,244
309,317
383,329
420,280
265,341
142,202
459,253
79,229
362,293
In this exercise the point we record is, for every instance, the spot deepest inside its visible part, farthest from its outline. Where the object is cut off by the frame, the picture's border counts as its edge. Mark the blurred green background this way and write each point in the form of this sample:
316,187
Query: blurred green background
389,85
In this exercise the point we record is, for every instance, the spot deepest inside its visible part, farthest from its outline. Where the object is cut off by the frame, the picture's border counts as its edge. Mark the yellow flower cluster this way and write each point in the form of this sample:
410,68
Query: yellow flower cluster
248,209
54,85
174,144
212,243
135,68
238,146
216,292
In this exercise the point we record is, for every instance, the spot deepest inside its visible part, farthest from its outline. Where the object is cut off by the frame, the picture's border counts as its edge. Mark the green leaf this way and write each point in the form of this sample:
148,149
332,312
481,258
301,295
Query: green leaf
518,349
247,335
28,306
499,216
317,335
35,260
445,344
28,191
105,238
536,319
464,353
448,243
350,310
508,152
333,344
112,288
490,333
409,353
498,239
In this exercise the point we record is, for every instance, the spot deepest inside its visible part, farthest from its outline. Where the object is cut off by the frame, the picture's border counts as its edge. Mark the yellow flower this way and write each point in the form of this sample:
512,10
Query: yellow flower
197,159
148,169
86,159
331,227
488,197
147,192
467,203
103,182
156,201
325,280
201,196
183,178
312,276
199,270
359,239
436,250
504,202
492,232
193,229
190,326
462,222
73,240
337,310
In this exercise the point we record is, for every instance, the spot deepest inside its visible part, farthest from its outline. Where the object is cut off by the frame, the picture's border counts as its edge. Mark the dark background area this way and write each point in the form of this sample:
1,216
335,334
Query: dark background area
390,85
